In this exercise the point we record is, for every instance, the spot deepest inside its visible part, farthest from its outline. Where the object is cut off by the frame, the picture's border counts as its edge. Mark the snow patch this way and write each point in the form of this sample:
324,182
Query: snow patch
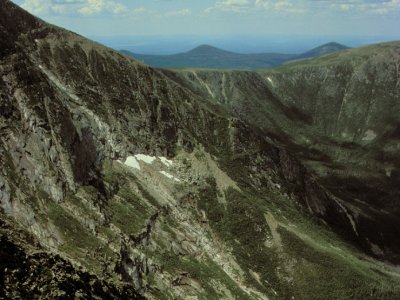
169,176
270,81
349,216
59,84
166,161
132,162
389,170
145,158
369,135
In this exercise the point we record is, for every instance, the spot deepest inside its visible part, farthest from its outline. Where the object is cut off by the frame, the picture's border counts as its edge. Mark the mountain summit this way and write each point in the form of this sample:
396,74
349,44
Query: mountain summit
120,181
323,50
208,50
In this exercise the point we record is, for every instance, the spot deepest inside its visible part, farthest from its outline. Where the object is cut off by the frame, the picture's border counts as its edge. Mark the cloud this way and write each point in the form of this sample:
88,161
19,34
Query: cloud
316,6
181,12
36,6
81,7
235,6
380,7
285,6
139,11
92,7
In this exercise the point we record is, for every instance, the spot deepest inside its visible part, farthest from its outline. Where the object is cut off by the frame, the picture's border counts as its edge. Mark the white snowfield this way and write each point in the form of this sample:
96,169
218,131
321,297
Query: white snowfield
134,162
166,174
145,158
166,161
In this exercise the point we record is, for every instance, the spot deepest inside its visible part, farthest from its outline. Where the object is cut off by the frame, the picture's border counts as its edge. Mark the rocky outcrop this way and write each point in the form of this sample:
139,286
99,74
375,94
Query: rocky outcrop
27,271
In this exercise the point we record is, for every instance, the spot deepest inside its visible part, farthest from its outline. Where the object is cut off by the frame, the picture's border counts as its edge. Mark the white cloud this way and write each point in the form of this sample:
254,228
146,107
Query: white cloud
315,6
381,7
37,6
181,12
139,11
82,7
236,6
92,7
286,6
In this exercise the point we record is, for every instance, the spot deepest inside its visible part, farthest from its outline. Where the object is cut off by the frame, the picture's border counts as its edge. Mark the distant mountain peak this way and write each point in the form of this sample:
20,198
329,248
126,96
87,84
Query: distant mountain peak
324,50
334,44
207,49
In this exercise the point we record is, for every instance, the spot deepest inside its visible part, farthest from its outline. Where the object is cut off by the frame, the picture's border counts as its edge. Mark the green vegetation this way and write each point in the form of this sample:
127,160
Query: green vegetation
111,175
79,242
129,212
311,253
206,272
334,114
127,217
78,206
242,226
132,205
335,275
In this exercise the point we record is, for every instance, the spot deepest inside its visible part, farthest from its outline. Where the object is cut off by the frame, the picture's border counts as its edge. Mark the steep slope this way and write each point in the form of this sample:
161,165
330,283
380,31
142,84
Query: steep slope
27,271
339,114
206,56
127,178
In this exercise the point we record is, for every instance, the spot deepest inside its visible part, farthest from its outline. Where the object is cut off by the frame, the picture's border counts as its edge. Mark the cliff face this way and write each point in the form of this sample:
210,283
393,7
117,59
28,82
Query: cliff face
130,179
340,115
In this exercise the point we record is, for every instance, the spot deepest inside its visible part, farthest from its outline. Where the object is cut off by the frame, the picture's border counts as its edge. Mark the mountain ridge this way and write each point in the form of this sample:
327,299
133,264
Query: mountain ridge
207,56
165,185
288,104
324,49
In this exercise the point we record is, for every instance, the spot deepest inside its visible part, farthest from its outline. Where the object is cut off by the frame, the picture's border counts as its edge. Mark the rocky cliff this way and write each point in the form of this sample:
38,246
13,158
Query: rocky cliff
122,181
340,115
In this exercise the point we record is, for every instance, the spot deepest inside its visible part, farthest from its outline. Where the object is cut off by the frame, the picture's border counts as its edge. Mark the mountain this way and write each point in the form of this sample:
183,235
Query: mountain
206,56
323,50
119,181
209,50
340,115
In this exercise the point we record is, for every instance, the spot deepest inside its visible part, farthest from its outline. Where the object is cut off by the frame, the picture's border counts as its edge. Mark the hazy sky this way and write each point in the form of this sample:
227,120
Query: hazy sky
221,17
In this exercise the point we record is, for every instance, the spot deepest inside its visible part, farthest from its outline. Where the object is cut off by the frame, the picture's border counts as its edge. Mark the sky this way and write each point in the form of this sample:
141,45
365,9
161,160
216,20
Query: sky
108,19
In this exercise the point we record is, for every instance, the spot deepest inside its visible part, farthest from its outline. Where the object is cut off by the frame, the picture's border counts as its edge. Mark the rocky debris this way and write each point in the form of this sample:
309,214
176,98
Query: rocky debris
35,274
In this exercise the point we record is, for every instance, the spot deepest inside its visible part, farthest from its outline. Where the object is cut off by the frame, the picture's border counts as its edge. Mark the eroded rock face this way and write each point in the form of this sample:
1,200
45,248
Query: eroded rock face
338,114
130,179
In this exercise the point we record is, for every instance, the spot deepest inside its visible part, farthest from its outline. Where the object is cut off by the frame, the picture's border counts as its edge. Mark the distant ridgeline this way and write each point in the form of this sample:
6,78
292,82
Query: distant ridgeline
206,56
